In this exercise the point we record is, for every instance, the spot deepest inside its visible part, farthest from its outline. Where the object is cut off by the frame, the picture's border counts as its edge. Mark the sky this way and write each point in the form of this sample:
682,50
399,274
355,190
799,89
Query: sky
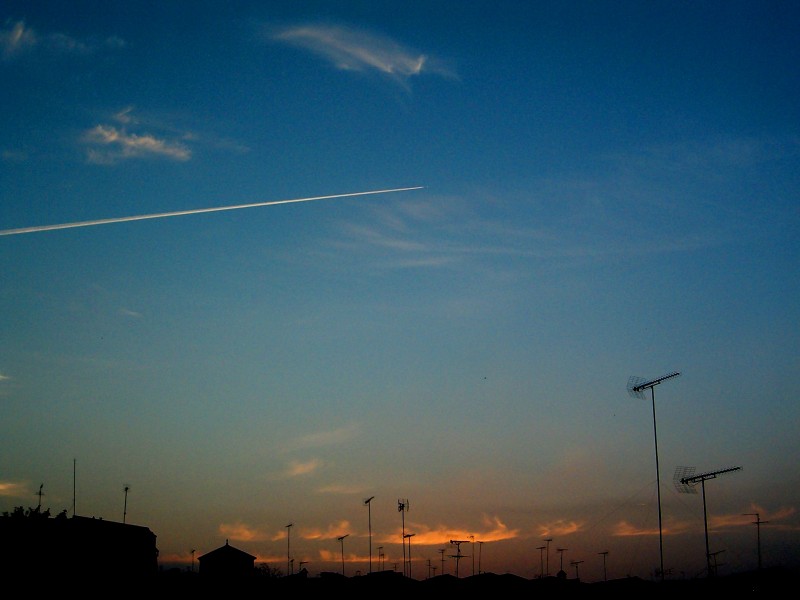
562,196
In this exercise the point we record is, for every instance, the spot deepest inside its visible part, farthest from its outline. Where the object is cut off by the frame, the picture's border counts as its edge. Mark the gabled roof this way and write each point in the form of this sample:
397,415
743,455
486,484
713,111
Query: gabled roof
227,551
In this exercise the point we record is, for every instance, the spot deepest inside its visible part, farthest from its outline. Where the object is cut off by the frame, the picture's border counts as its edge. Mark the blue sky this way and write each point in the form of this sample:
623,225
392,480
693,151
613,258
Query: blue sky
602,190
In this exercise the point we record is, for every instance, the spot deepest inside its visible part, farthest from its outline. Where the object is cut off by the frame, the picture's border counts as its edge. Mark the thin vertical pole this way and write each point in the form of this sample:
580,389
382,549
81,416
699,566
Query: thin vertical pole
658,486
709,571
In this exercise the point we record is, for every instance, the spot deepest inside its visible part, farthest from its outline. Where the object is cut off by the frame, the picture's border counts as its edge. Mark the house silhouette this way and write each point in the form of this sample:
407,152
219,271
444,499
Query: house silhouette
227,561
75,548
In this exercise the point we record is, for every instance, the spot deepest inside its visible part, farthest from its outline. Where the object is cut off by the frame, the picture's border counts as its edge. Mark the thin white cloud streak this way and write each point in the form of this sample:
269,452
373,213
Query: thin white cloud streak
298,468
352,50
195,211
324,438
117,144
18,40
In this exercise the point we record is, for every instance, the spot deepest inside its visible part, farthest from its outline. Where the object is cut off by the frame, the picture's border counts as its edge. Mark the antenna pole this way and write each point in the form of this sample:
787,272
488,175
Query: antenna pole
658,487
757,523
125,507
690,480
289,568
341,541
547,541
73,487
402,507
636,388
369,524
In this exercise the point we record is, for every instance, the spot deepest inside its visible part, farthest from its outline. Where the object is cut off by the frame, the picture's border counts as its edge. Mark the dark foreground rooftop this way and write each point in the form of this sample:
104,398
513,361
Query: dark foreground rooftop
767,582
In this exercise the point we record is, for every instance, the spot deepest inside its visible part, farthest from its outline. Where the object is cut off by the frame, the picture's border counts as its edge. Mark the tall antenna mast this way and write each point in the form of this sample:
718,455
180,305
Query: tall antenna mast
402,507
40,493
636,388
685,480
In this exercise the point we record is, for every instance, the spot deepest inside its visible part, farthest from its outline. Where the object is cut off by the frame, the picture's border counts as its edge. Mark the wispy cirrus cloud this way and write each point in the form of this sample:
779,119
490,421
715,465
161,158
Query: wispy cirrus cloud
109,145
350,49
324,438
17,40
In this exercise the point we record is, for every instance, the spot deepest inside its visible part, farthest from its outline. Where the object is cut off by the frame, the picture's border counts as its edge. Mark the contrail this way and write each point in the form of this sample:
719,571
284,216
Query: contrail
178,213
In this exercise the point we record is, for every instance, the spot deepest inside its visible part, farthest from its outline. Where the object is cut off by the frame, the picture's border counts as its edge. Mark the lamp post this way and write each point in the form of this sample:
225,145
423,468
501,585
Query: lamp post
341,541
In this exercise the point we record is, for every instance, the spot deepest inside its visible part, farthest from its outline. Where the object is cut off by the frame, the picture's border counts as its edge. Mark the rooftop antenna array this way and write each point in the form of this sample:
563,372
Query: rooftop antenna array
636,388
402,507
458,556
685,481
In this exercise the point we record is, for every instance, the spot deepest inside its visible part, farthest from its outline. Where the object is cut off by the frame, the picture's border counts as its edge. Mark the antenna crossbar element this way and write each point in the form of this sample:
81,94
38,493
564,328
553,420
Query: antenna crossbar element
692,479
637,385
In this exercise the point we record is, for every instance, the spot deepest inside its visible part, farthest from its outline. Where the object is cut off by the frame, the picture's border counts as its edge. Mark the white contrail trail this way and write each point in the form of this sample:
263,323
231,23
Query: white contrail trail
178,213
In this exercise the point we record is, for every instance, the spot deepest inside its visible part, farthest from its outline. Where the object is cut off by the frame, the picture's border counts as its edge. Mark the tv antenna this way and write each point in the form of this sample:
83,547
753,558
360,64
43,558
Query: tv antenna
192,551
341,541
289,565
547,542
458,556
758,522
40,493
402,507
636,388
408,536
685,480
126,488
575,564
369,524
